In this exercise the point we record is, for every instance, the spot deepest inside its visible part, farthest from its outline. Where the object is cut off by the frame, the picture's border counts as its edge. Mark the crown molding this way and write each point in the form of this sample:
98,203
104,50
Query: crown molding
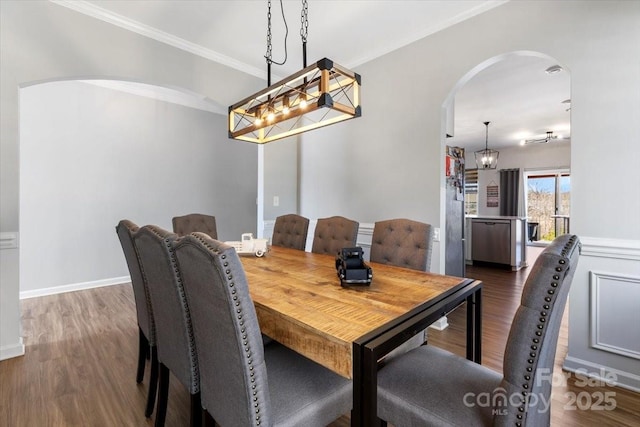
383,50
105,15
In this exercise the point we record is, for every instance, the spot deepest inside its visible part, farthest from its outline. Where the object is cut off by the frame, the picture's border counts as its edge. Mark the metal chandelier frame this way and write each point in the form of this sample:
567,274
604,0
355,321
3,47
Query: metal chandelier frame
486,159
319,95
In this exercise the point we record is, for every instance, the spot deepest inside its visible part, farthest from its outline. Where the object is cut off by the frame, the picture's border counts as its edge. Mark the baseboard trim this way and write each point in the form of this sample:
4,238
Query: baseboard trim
74,287
622,379
12,350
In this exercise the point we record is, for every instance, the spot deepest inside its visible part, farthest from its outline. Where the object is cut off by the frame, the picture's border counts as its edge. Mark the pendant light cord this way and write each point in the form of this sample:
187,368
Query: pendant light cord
268,55
304,30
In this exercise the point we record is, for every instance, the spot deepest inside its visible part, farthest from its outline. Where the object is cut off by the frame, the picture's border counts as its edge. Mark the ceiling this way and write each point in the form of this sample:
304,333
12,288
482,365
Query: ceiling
519,99
515,95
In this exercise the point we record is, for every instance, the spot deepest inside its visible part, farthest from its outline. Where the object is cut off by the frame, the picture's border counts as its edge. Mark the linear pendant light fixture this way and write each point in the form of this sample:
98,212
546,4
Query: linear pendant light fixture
486,159
544,140
318,95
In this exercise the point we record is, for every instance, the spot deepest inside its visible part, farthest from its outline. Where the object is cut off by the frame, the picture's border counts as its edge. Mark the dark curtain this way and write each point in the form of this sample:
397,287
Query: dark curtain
509,185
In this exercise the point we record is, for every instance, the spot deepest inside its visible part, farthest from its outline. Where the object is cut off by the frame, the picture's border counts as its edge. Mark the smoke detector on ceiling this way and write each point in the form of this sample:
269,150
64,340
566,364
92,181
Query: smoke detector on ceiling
554,69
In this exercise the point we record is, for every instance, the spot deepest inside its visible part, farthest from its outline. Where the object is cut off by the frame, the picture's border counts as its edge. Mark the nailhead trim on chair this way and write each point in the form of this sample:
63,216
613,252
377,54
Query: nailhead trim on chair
195,373
541,326
245,342
151,320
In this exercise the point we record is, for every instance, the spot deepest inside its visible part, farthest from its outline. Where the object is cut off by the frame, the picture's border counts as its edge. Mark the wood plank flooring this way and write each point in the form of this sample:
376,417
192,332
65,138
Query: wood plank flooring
80,364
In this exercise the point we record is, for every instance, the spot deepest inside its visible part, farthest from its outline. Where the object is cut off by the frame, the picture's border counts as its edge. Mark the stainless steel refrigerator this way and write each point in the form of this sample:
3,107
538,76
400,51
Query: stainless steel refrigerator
454,208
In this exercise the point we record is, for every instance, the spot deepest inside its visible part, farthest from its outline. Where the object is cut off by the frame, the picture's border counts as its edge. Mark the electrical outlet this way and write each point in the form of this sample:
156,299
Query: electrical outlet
436,234
276,201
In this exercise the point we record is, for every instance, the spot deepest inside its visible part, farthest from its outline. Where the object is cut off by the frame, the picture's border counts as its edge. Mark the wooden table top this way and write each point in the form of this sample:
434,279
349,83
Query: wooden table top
300,303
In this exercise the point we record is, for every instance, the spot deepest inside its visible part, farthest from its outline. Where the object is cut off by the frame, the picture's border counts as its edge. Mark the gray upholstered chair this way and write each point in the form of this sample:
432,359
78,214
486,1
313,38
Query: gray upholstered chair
403,243
176,347
146,326
334,233
290,231
430,386
242,382
186,224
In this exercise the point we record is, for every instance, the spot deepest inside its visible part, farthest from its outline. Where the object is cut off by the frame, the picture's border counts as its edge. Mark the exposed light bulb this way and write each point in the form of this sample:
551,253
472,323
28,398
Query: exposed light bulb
303,103
285,110
270,117
258,121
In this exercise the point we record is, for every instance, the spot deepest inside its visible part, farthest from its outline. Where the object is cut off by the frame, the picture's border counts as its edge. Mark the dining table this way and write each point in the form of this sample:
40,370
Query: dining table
300,303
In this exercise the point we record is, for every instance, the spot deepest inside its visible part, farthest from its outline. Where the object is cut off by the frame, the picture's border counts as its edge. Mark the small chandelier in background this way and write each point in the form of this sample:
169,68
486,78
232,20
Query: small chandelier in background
318,95
486,159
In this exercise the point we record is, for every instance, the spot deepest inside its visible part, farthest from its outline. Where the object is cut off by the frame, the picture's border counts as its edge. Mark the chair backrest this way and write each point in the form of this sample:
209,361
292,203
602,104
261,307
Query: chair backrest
403,243
290,231
186,224
334,233
531,347
234,387
126,230
176,347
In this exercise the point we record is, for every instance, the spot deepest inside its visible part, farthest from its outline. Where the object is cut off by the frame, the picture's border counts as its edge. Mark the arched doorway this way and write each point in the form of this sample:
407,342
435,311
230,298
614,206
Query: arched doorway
524,96
93,153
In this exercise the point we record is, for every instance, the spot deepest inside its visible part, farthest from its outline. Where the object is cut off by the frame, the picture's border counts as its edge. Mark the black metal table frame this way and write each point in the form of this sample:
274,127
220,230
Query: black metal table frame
368,349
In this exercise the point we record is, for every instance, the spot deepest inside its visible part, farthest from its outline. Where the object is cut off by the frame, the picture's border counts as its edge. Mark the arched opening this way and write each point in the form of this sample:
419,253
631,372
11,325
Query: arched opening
93,152
523,98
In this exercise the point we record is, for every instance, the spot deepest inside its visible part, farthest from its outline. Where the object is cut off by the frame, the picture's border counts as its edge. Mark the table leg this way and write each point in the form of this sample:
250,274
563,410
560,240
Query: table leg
474,326
356,411
477,333
367,350
365,387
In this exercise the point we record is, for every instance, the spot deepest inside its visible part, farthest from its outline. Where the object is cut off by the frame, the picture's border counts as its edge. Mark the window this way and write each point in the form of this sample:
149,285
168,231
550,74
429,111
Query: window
548,201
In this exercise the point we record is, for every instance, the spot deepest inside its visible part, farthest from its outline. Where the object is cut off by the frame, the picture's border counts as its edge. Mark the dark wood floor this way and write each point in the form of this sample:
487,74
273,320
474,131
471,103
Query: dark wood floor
79,369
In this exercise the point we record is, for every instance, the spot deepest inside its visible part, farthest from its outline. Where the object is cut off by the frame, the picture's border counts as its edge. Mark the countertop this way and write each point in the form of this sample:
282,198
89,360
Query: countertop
495,217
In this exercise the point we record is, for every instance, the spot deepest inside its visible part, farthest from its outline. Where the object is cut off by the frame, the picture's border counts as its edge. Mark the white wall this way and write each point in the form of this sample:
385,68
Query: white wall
41,41
389,163
281,177
90,156
539,156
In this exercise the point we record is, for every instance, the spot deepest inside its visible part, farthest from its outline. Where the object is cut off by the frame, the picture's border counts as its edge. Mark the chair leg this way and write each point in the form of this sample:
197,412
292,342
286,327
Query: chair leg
196,410
163,395
143,346
153,382
208,419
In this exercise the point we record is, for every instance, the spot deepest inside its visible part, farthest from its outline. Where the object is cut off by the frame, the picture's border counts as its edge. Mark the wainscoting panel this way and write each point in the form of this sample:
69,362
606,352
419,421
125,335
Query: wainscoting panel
614,313
604,311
